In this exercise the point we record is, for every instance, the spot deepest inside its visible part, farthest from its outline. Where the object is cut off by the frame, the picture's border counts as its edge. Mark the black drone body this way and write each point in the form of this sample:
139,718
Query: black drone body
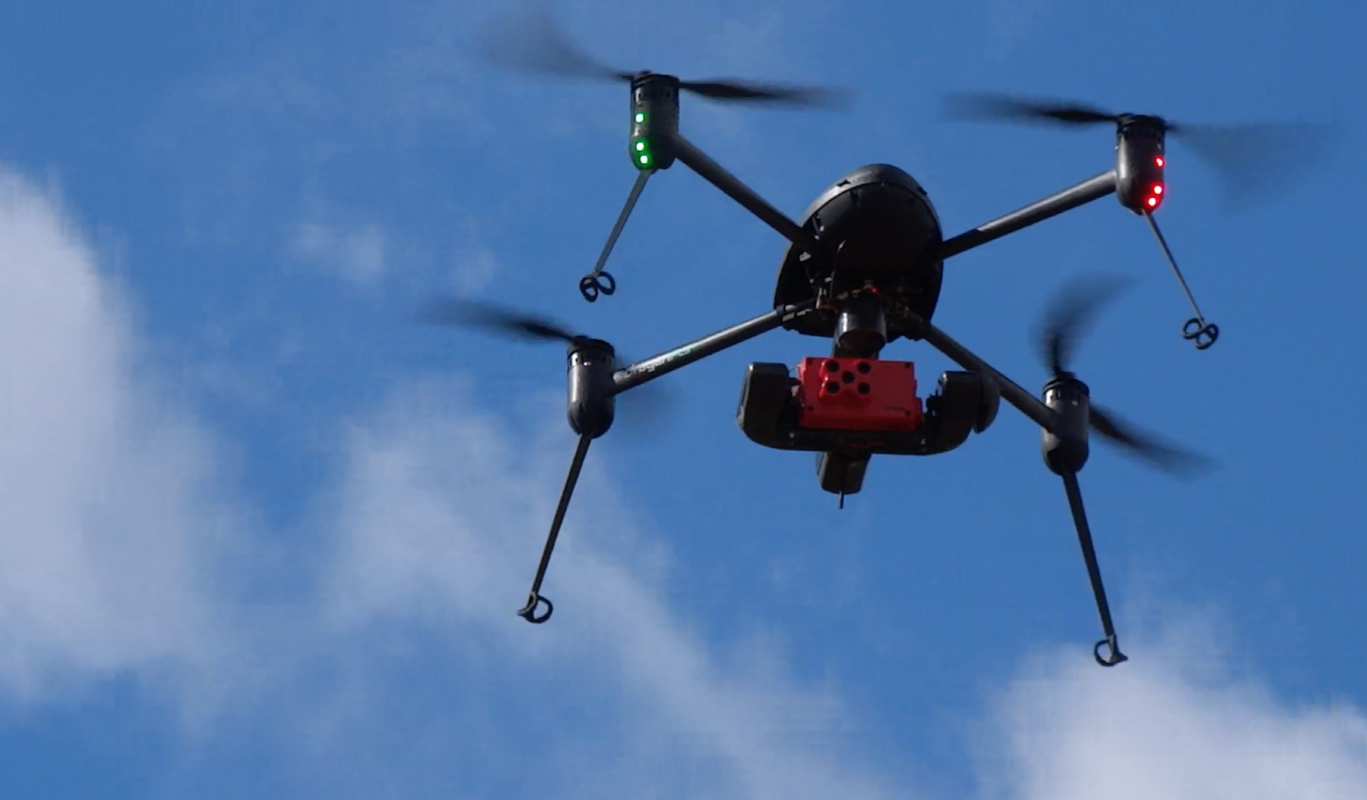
881,233
863,267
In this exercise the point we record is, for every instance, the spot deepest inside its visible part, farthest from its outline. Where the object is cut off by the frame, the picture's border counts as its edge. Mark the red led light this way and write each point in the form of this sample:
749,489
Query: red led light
1153,202
1158,188
1158,161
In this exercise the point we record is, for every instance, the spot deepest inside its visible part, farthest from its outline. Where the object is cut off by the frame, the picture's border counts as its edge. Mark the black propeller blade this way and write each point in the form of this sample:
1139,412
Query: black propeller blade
1251,161
1073,310
1257,161
645,409
995,107
1067,319
531,41
498,319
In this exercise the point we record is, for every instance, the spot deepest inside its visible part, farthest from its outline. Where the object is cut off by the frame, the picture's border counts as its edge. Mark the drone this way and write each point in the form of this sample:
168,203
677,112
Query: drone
862,269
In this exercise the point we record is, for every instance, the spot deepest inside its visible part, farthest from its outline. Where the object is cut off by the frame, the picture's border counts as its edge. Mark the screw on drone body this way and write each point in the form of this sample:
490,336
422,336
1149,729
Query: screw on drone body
1203,334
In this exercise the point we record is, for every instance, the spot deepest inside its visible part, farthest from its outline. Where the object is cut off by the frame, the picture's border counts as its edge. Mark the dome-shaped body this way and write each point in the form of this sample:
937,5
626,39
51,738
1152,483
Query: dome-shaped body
879,226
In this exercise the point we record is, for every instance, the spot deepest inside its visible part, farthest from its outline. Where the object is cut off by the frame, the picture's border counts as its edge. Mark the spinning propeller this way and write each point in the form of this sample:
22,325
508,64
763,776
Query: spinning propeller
649,406
496,319
533,42
1252,161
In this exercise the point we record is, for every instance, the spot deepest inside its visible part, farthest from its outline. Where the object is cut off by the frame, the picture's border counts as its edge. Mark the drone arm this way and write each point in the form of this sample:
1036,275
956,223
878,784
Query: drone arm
1066,200
634,375
714,173
1084,536
1028,404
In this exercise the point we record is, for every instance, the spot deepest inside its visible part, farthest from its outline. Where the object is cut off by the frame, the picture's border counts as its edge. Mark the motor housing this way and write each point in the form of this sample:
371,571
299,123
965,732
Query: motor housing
1140,163
654,121
592,401
1066,451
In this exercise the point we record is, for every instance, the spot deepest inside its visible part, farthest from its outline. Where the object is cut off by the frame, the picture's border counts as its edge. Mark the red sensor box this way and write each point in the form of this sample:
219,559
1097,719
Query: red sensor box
858,394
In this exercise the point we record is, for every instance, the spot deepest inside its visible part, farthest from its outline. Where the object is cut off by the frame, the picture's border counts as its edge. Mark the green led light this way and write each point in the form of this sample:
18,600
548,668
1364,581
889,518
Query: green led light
640,146
645,159
640,117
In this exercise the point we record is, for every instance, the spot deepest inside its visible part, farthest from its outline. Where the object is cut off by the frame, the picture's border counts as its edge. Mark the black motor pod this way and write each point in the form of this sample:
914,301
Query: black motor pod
1069,399
654,120
1140,163
592,401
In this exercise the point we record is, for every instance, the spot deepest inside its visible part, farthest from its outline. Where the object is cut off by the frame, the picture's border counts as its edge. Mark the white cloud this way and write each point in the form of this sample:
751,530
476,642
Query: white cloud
1174,724
355,253
104,514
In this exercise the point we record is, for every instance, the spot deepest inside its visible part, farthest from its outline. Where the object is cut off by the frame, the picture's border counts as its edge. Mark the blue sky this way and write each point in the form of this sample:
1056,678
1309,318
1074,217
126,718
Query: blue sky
260,535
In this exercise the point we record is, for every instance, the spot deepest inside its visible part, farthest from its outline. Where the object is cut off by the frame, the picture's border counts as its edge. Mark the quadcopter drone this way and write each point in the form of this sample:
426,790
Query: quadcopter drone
862,269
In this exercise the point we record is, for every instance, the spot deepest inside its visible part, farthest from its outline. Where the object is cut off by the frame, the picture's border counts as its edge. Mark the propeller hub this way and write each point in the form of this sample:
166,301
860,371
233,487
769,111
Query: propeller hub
589,345
1137,122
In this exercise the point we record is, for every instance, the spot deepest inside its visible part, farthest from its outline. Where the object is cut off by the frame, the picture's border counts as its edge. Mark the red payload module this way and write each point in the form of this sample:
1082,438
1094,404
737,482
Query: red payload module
858,394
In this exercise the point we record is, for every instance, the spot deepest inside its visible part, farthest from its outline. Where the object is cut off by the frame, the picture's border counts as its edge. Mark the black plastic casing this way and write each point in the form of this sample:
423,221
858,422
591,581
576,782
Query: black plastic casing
1138,150
656,97
1069,398
592,400
882,231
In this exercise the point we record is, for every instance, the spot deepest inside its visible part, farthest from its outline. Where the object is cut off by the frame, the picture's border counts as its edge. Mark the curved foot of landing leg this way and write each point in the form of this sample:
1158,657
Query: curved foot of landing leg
1201,333
1113,655
597,283
528,611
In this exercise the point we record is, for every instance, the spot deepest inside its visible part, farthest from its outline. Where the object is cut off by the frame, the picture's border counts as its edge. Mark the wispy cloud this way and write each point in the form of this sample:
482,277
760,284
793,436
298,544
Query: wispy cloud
355,253
1176,724
106,506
